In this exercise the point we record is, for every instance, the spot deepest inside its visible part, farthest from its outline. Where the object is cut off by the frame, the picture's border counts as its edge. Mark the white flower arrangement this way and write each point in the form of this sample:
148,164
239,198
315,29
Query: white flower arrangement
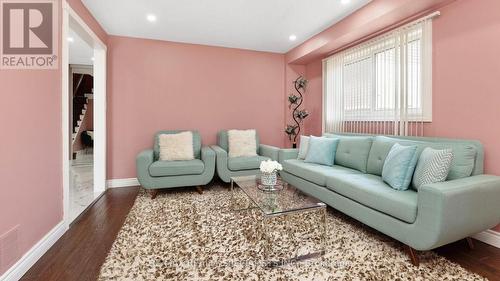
270,166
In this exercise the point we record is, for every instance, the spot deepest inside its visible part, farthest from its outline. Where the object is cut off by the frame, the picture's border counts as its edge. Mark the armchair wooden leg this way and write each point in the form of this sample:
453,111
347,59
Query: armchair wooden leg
470,243
154,192
413,255
199,189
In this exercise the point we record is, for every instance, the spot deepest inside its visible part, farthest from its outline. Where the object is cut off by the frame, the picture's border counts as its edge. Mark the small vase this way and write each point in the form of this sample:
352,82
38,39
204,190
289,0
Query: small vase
269,179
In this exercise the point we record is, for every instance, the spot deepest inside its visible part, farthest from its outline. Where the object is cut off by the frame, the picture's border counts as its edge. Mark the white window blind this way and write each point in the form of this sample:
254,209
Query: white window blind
382,86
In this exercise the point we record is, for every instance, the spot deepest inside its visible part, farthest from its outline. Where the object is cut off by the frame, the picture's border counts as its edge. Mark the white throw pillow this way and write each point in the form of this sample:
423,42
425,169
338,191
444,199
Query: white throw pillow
303,147
176,146
433,166
242,143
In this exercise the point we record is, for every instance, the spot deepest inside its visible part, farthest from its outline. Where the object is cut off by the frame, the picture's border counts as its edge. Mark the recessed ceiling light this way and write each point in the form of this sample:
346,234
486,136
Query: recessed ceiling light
71,39
92,58
292,37
151,18
345,2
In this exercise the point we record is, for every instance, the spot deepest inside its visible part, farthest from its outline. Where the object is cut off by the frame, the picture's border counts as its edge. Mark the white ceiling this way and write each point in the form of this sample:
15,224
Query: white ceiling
262,25
80,51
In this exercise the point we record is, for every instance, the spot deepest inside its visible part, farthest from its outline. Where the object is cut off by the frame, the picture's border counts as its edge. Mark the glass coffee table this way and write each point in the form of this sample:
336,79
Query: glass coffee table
271,204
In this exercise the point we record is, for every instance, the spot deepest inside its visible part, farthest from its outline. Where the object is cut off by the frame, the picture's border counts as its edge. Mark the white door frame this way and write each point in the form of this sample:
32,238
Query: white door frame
70,16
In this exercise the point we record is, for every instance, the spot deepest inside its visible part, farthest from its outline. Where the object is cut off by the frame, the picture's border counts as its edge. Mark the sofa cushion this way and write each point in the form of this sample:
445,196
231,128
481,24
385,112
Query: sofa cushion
176,168
352,151
245,163
373,192
315,173
462,165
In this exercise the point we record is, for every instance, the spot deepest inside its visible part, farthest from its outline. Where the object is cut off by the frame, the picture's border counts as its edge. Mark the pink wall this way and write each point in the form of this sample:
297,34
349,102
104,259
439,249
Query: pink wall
155,85
32,195
314,101
465,77
31,156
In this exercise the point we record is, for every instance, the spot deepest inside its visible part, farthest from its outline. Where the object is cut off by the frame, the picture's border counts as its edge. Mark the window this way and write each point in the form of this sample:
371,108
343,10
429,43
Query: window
383,85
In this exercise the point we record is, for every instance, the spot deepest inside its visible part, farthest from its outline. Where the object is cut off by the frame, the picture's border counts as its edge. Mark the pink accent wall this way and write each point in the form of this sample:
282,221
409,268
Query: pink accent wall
30,113
155,85
465,76
31,155
314,101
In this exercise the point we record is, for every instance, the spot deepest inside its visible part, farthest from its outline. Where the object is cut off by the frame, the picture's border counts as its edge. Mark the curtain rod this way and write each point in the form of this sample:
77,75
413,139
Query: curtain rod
401,24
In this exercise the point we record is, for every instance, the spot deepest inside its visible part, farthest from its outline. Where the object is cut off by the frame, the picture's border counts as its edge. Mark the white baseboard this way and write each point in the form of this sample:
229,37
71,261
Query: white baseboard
122,182
33,255
489,237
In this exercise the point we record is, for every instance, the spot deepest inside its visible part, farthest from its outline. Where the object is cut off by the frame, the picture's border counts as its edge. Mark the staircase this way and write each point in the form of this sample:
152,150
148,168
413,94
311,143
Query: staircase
82,89
79,109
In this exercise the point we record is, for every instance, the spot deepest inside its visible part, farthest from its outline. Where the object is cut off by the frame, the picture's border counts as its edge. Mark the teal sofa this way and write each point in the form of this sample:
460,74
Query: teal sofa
228,167
438,214
154,174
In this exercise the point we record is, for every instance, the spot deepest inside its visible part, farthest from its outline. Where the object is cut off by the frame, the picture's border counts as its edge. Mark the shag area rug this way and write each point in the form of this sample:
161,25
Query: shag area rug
182,235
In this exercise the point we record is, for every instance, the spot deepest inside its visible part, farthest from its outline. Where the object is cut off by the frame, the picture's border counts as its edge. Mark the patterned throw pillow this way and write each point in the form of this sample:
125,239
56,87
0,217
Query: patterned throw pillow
175,147
304,146
321,150
433,166
399,166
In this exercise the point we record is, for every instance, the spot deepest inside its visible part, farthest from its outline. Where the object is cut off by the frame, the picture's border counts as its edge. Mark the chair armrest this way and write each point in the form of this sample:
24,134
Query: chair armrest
287,153
269,151
461,207
207,155
221,156
218,150
143,160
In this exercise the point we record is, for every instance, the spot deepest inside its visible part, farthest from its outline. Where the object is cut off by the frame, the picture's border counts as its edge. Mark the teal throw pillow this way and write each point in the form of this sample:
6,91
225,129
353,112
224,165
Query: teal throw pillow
321,150
399,166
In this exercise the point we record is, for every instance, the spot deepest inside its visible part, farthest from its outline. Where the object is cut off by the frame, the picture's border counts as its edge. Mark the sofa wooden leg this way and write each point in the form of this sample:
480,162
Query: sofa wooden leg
199,189
413,255
470,243
154,192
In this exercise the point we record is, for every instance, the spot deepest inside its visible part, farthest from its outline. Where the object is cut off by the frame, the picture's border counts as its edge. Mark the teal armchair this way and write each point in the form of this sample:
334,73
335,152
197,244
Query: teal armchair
228,167
154,174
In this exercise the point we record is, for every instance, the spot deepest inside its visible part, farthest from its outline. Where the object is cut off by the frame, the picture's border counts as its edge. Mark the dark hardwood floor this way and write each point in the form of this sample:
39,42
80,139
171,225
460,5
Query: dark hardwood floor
79,254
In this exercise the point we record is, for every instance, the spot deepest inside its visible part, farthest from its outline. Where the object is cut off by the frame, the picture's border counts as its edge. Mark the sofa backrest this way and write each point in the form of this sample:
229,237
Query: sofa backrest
222,140
196,142
464,154
352,151
468,155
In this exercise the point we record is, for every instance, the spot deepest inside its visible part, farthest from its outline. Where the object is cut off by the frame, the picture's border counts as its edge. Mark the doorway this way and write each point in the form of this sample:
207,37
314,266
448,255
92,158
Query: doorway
83,115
